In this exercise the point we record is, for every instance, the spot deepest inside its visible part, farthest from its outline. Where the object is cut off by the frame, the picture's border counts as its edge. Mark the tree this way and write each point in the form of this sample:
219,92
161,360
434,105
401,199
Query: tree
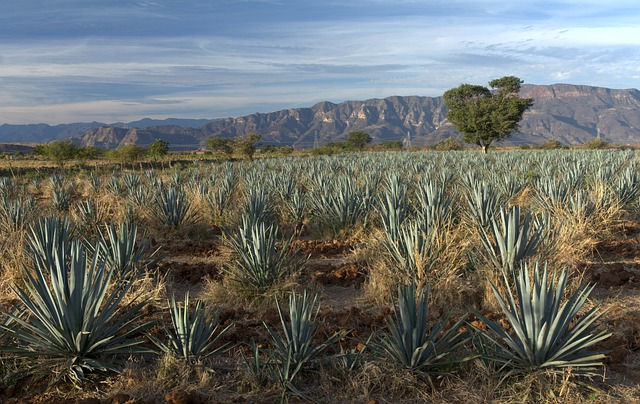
221,145
358,140
273,149
159,148
128,154
88,153
246,145
61,151
483,116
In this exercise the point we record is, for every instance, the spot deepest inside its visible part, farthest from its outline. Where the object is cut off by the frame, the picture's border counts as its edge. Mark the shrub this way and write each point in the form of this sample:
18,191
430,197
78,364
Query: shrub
553,144
595,144
447,144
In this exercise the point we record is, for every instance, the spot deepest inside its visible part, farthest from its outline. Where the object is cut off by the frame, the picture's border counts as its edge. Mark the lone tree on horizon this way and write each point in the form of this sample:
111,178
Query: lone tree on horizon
482,115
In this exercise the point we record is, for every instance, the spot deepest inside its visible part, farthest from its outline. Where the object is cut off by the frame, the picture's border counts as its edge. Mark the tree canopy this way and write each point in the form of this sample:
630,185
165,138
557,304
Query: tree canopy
482,115
222,145
159,148
127,154
246,146
358,140
60,151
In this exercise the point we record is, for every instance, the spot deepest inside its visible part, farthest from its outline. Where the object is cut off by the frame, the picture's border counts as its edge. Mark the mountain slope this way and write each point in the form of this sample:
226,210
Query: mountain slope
569,113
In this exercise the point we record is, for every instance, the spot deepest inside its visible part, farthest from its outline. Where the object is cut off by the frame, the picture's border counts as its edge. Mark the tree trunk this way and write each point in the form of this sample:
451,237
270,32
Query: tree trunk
485,148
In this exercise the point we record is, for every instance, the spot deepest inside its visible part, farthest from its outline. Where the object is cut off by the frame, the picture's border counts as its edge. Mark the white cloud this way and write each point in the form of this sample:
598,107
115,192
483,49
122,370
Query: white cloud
302,53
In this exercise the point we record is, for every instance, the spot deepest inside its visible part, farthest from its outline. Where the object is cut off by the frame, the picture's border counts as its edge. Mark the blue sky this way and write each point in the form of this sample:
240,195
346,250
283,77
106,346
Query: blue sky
115,60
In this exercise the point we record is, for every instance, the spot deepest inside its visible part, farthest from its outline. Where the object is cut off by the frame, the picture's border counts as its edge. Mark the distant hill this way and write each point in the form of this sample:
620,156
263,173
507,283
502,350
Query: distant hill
569,113
41,132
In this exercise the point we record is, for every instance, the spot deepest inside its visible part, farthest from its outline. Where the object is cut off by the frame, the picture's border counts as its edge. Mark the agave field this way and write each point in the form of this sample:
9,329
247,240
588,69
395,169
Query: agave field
362,277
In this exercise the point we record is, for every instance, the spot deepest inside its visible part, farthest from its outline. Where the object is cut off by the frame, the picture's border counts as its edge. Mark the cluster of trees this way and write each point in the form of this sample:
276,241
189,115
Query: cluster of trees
356,141
63,151
245,146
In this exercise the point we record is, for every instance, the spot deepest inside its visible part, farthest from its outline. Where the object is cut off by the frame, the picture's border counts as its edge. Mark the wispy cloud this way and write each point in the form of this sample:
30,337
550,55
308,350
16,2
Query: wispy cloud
69,60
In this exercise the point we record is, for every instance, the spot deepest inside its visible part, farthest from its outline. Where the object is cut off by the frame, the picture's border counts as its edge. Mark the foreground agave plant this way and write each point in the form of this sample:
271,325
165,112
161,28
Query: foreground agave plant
512,240
124,252
194,333
70,316
547,334
296,348
415,344
263,259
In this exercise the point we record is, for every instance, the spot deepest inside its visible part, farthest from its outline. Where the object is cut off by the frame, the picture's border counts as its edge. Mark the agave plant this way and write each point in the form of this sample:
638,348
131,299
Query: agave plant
547,333
552,194
295,206
60,198
172,207
295,348
626,187
7,186
512,239
123,252
263,259
73,319
339,203
15,213
94,183
413,342
115,186
138,196
90,214
411,251
48,238
193,333
130,181
483,203
259,206
393,205
434,207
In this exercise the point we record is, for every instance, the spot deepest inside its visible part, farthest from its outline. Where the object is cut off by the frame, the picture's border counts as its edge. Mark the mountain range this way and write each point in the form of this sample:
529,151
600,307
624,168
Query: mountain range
571,114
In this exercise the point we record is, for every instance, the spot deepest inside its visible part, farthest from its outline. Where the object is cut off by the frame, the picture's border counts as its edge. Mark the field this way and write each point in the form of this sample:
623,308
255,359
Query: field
374,277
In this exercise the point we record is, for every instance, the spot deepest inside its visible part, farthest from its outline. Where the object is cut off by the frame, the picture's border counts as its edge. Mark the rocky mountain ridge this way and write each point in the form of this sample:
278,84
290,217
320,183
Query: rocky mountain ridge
572,114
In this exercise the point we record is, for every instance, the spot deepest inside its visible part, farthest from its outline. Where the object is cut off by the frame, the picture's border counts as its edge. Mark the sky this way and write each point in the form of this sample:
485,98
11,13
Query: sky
64,61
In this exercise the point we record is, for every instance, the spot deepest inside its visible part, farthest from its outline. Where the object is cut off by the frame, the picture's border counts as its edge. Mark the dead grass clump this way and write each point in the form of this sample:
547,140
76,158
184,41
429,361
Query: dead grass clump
157,379
14,259
450,285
